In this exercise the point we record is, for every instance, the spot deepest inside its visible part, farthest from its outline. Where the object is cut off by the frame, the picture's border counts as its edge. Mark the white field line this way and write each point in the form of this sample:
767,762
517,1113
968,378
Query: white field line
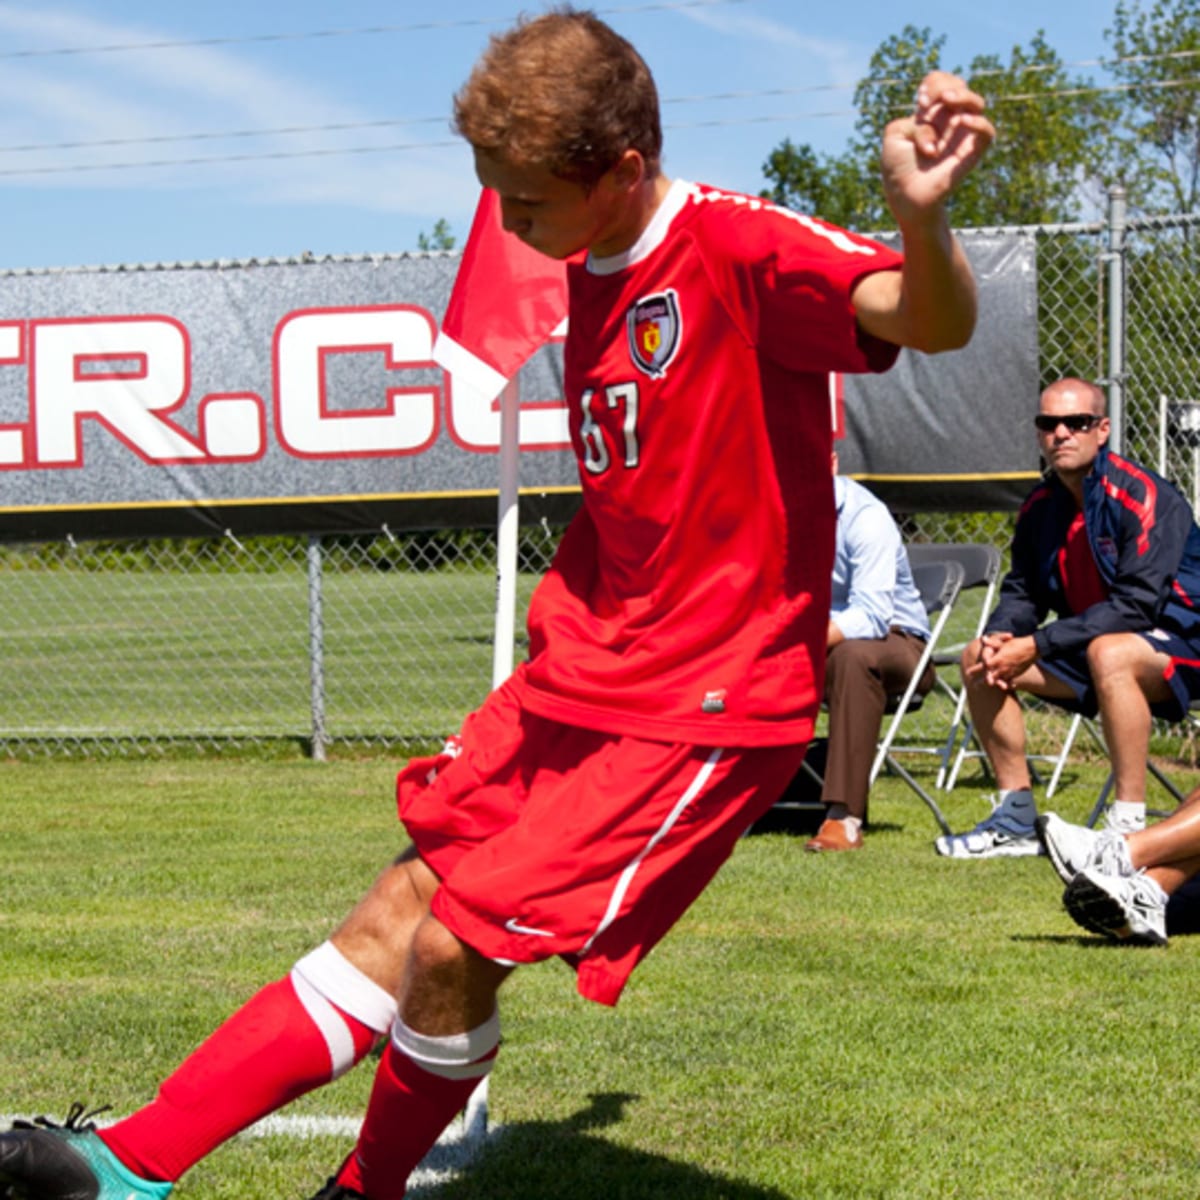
453,1152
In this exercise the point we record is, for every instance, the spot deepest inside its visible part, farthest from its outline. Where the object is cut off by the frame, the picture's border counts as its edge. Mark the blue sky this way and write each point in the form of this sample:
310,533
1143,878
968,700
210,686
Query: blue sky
243,133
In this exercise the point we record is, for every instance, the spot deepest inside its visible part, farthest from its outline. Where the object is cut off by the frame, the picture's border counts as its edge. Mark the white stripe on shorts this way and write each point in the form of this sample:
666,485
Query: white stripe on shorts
626,878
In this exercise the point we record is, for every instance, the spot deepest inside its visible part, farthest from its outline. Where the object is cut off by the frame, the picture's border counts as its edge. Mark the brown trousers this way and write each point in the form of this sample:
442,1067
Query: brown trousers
860,675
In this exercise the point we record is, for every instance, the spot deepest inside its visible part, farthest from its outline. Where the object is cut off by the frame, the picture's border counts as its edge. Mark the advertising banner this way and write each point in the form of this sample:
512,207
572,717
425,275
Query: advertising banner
304,396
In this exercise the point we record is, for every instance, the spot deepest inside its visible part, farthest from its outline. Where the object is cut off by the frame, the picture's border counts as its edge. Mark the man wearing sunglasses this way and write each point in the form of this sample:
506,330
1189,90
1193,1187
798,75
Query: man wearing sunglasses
1113,550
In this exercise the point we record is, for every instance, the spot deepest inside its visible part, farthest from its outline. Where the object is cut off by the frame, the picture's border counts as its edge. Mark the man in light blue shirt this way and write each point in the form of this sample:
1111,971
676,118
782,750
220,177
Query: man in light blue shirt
877,634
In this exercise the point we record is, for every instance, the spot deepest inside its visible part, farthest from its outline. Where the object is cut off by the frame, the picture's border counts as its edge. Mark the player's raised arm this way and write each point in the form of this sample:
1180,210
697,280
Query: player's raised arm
930,304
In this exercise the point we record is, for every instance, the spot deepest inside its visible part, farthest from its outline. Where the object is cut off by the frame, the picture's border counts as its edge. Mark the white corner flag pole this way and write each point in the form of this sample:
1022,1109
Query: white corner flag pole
507,527
475,1118
482,343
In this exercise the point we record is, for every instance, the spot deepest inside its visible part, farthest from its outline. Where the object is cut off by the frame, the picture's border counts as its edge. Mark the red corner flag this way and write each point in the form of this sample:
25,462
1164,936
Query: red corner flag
507,301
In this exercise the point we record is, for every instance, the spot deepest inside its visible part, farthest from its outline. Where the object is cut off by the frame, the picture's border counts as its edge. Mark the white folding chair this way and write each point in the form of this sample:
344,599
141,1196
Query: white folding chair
1056,761
982,566
939,583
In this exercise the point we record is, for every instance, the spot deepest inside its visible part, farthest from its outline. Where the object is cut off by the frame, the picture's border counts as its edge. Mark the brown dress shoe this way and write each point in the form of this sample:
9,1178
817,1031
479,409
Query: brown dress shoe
833,836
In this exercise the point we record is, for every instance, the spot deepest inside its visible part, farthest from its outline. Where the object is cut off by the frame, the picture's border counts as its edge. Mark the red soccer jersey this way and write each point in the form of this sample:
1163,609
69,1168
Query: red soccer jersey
689,598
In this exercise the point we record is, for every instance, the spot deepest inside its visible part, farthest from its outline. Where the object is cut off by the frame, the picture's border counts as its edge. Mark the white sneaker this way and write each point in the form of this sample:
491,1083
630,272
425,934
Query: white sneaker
1071,848
1007,833
1130,908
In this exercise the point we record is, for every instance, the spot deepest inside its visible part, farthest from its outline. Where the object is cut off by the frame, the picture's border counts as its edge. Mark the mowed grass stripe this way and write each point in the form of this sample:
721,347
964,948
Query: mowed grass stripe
883,1024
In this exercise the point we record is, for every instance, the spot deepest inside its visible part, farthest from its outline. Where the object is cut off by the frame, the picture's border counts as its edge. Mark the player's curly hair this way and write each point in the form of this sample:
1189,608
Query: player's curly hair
562,91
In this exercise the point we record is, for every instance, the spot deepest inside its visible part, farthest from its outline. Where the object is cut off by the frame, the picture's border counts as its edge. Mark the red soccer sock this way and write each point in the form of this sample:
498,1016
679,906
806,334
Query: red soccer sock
410,1106
268,1053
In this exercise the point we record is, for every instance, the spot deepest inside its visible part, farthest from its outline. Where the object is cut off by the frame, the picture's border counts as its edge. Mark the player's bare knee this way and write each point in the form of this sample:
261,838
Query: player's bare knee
448,986
436,952
383,920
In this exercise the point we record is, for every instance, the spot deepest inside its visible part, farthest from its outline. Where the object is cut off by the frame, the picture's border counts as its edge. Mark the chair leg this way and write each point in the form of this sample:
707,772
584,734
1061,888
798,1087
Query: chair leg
1061,761
894,765
1179,796
964,752
956,725
812,773
1102,800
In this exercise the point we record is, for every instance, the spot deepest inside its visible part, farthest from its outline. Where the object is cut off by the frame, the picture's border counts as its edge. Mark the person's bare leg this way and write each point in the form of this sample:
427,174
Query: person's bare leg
377,934
997,716
1173,842
443,1043
293,1035
1127,673
448,987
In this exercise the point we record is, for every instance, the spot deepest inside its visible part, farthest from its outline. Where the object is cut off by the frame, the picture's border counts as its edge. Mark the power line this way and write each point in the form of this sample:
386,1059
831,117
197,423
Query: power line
314,34
214,160
475,22
1105,63
1154,85
226,135
401,147
709,98
352,126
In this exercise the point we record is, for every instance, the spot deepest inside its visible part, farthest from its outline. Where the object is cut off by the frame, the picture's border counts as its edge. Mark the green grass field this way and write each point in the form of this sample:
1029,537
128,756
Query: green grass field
97,658
174,654
885,1024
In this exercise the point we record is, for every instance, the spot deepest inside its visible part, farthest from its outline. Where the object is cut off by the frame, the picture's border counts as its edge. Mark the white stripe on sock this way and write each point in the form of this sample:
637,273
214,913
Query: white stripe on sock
328,972
457,1056
330,1022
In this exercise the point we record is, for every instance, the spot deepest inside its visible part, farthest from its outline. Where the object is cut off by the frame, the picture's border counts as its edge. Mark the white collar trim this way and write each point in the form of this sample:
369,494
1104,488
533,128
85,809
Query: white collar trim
651,237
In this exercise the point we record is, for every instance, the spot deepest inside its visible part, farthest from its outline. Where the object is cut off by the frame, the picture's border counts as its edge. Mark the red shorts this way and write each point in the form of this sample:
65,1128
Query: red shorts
555,840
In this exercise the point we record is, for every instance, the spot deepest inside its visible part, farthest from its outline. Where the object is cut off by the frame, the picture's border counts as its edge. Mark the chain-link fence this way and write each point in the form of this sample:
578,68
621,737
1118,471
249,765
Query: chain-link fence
386,641
130,647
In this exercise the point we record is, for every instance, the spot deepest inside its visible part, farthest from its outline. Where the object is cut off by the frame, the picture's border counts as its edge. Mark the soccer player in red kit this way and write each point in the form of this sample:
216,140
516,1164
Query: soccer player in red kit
676,643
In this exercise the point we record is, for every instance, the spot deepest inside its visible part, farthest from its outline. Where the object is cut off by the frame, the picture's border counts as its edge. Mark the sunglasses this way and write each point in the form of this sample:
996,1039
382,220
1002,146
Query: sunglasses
1075,422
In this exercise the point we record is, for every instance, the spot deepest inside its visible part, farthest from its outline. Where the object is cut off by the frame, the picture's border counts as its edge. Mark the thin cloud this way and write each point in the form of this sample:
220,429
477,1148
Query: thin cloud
179,90
843,61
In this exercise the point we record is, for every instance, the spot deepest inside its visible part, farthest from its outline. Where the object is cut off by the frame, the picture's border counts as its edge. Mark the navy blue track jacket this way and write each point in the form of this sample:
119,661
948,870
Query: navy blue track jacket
1146,546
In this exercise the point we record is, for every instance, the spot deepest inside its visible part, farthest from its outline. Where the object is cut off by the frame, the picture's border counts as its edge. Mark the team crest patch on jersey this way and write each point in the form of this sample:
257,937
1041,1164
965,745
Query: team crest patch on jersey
654,326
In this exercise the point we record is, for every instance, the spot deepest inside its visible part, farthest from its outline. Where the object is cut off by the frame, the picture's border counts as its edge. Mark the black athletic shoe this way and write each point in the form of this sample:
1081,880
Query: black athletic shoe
336,1191
40,1160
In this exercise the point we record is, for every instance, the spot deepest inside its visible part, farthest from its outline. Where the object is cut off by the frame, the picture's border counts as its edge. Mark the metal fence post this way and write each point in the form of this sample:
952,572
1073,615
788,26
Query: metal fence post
316,649
1116,316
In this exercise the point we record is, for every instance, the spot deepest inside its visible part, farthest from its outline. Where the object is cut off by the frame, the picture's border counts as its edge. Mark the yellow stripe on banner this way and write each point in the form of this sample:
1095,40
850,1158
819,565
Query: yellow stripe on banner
264,501
1000,475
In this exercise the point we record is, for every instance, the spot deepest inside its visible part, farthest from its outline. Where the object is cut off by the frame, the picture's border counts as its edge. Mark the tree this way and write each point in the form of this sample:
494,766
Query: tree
829,186
1157,60
844,188
1051,158
890,88
439,239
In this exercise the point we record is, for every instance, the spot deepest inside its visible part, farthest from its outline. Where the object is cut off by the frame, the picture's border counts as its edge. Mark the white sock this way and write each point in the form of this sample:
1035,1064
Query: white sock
1126,814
